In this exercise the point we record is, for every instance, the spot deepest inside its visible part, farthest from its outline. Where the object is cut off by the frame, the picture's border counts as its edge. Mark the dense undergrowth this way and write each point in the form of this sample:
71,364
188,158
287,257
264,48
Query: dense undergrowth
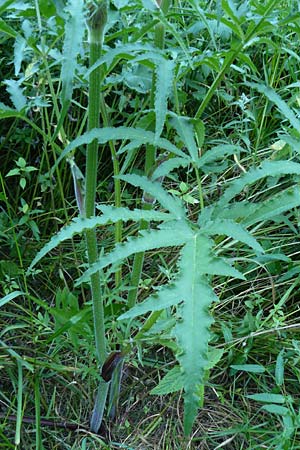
197,213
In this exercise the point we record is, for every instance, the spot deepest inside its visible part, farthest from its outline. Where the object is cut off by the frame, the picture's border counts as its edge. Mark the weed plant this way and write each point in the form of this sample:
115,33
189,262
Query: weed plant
149,223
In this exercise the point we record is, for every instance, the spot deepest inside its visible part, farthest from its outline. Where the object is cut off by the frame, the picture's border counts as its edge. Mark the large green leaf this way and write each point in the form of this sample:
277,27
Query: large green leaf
192,331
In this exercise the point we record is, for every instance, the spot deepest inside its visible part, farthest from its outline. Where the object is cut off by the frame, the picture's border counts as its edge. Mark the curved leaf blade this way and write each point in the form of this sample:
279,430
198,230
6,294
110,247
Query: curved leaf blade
80,224
103,135
155,189
149,240
266,169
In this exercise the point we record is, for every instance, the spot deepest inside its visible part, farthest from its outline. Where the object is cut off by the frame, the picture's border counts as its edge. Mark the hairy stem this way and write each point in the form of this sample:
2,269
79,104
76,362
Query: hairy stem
96,23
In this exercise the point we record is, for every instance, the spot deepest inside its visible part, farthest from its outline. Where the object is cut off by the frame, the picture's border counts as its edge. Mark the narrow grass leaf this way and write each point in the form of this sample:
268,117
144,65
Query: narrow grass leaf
37,407
7,29
16,355
252,368
279,369
163,83
267,398
279,102
19,403
7,298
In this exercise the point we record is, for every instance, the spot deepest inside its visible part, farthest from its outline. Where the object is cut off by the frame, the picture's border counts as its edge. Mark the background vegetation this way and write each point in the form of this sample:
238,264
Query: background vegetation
231,70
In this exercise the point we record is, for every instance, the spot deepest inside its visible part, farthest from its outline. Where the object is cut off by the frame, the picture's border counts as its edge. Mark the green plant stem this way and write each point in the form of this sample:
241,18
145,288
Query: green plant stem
20,404
117,185
37,402
199,183
96,38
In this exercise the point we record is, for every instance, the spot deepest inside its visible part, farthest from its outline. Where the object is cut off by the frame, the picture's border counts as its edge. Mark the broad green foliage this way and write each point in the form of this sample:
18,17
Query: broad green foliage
197,110
191,292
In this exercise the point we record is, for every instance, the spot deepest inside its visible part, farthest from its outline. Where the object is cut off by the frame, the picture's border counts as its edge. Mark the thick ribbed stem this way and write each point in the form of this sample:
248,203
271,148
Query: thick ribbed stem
96,23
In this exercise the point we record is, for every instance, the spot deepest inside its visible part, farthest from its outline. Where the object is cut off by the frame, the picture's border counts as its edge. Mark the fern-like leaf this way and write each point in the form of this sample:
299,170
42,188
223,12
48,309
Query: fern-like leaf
107,134
110,214
149,240
232,229
266,169
192,331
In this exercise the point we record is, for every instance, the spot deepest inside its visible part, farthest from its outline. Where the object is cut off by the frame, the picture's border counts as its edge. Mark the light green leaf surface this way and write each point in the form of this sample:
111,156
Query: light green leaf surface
252,368
192,331
163,84
268,398
234,230
7,298
74,31
266,169
16,94
172,204
110,214
148,241
172,382
103,135
167,166
185,130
